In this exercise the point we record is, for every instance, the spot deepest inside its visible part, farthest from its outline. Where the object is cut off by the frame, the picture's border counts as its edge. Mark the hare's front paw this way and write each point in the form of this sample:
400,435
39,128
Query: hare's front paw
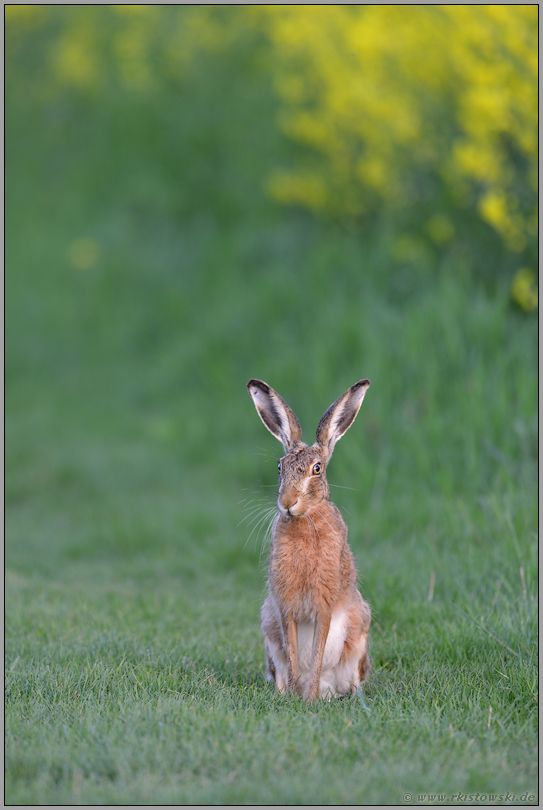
295,686
312,693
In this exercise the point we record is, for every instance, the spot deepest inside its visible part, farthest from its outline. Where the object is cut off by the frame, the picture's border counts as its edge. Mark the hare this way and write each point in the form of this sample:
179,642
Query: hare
315,622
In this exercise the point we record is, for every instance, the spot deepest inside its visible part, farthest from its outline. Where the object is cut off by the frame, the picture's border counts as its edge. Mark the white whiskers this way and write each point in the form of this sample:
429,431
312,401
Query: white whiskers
263,515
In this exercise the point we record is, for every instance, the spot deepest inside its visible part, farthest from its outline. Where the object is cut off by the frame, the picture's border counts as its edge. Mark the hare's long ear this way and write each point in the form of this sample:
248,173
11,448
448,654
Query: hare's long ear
276,414
339,417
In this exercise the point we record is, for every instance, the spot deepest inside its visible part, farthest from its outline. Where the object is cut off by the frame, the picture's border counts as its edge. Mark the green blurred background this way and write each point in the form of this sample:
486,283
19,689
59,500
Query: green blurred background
149,275
151,270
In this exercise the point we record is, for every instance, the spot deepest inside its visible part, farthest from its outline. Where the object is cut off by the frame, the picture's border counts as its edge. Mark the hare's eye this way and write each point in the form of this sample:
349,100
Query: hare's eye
316,469
279,466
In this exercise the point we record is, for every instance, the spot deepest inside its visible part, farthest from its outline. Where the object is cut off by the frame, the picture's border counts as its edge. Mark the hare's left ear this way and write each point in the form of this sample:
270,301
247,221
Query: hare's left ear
339,417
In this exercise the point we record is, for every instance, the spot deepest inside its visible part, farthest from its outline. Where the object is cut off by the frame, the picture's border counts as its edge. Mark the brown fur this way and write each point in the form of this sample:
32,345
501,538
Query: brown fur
312,577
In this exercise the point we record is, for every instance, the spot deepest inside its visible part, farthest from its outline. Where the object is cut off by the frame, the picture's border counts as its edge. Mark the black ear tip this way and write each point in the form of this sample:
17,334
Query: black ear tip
259,384
361,383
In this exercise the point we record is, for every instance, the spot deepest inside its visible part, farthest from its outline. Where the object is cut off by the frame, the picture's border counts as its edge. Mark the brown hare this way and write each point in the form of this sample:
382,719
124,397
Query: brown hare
314,620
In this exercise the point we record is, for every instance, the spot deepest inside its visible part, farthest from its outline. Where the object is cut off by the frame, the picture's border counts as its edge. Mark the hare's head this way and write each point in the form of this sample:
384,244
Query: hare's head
302,470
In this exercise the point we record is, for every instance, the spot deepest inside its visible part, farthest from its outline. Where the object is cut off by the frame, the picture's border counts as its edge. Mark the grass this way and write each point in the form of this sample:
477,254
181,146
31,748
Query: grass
134,663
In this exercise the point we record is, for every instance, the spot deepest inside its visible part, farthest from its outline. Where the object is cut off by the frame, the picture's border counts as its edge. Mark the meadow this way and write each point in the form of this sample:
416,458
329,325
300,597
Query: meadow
148,277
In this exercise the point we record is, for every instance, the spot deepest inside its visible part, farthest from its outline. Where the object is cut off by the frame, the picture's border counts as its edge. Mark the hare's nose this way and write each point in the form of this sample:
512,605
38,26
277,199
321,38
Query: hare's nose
288,506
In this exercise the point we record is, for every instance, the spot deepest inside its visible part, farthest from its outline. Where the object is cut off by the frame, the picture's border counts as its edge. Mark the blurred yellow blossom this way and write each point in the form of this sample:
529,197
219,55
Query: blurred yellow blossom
388,93
84,253
140,10
306,190
440,229
75,57
494,208
27,16
524,289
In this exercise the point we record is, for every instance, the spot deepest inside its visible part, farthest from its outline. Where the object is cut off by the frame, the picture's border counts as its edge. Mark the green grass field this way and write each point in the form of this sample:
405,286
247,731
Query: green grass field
135,566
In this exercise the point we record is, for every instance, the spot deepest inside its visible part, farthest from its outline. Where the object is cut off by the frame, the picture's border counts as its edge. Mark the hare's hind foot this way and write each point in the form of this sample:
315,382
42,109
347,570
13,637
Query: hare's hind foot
271,673
364,667
276,665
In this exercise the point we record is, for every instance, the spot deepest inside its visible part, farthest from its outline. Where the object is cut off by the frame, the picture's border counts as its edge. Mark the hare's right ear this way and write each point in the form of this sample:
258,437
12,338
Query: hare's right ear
339,417
276,414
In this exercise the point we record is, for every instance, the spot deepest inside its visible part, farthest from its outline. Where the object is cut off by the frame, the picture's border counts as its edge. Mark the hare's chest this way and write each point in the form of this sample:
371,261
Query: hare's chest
303,575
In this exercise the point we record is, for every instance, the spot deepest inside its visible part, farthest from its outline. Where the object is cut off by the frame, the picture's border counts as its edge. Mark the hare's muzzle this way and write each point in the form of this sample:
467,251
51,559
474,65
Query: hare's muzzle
289,506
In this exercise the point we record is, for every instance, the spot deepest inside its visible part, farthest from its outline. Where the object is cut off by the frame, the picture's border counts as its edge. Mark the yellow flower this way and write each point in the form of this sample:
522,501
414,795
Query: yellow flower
494,209
384,92
440,229
27,16
524,289
84,254
300,189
